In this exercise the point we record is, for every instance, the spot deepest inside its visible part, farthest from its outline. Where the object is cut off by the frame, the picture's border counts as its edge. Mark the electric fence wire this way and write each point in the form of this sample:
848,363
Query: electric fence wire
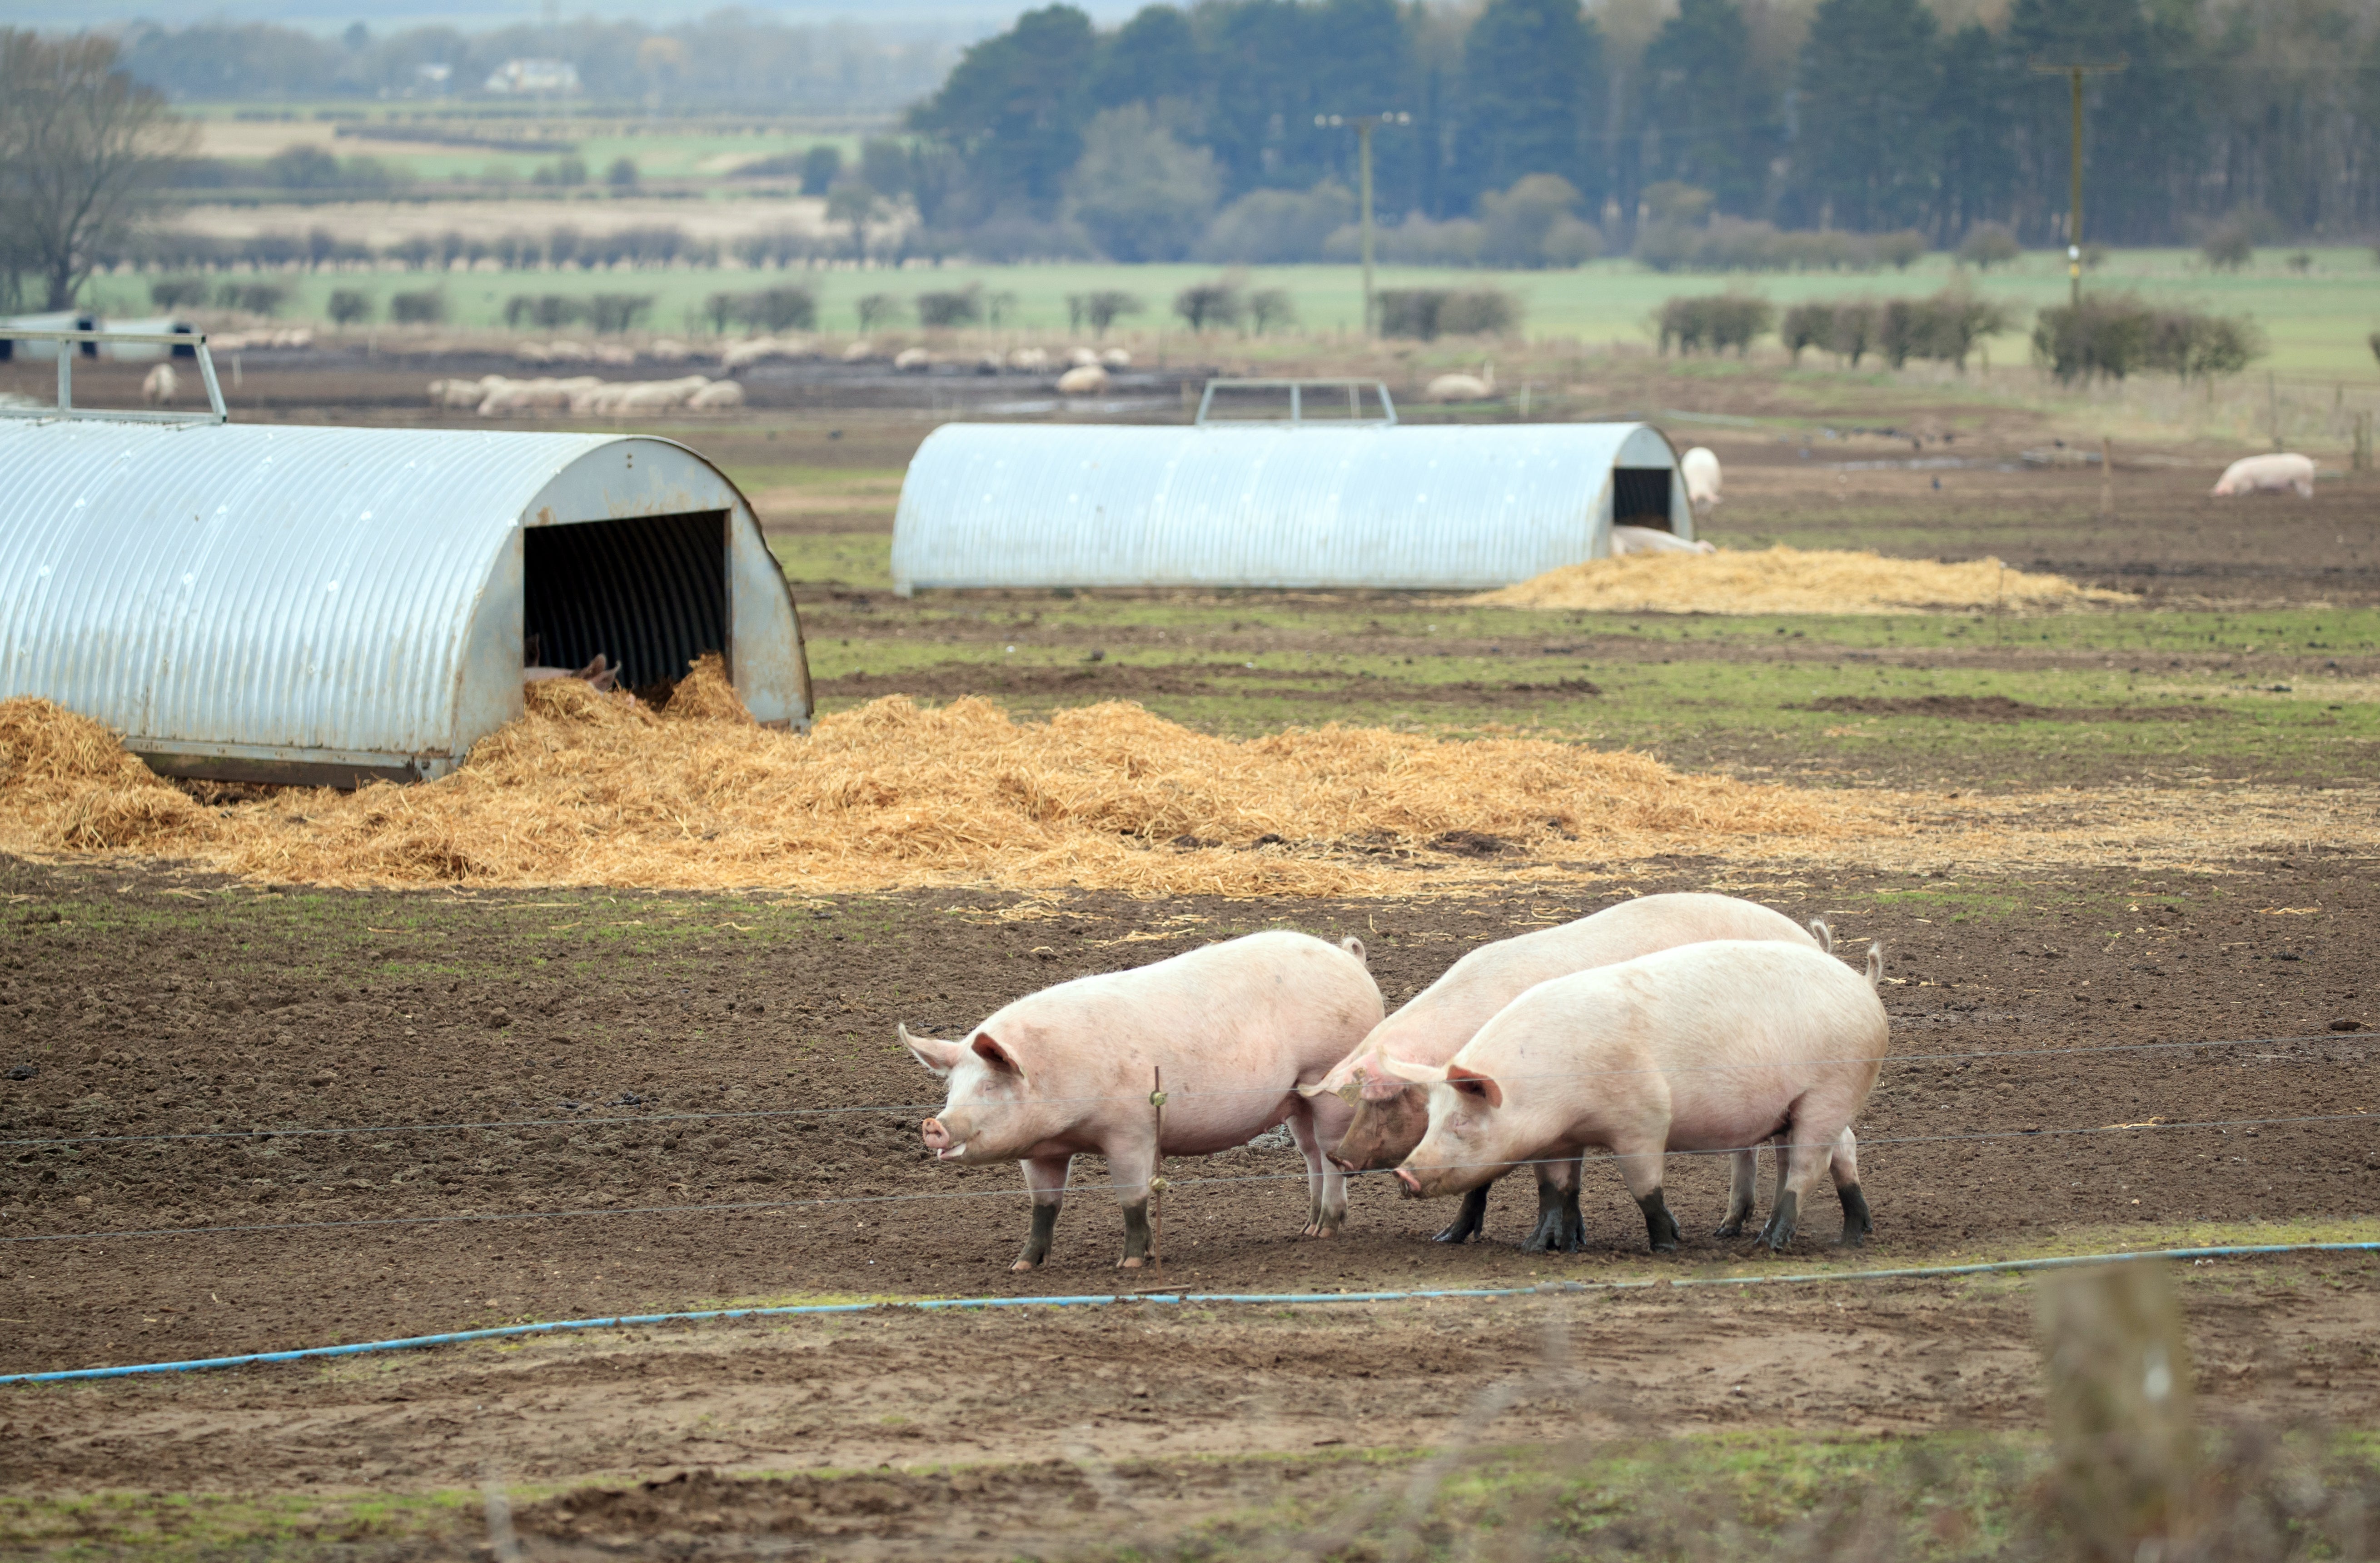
262,1131
824,1202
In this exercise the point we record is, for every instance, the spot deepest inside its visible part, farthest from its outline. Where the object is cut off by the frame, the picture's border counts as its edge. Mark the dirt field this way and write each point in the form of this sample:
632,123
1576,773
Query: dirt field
568,1104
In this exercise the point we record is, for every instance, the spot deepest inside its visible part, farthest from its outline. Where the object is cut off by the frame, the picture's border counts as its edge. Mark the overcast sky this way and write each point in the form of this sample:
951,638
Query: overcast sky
968,18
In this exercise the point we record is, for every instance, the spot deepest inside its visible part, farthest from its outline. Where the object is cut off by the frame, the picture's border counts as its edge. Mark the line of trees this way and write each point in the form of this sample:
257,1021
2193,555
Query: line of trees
1873,118
82,151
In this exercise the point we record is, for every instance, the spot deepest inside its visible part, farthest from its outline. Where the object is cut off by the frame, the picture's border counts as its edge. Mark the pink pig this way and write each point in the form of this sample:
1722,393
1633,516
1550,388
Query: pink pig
1707,1047
1237,1028
1389,1116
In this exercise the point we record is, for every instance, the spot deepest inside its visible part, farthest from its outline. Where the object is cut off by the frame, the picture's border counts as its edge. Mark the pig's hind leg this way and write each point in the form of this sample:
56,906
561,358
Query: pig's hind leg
1046,1180
1641,1167
1326,1186
1845,1164
1742,1187
1800,1159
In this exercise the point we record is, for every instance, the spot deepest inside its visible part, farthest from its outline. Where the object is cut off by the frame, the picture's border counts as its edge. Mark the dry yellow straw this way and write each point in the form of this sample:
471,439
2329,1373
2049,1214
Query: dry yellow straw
595,789
1782,579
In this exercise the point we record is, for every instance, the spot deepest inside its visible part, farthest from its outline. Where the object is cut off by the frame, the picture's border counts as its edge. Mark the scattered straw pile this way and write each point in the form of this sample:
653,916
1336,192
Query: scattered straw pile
595,789
1782,579
65,781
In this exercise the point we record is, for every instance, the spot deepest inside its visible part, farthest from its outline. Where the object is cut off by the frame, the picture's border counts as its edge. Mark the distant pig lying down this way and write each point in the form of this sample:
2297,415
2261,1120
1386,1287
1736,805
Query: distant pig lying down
1707,1047
1390,1115
1237,1028
598,673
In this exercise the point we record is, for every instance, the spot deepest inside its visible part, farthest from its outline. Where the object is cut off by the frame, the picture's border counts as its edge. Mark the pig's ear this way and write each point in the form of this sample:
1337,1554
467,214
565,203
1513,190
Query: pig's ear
986,1047
938,1055
1420,1074
1470,1083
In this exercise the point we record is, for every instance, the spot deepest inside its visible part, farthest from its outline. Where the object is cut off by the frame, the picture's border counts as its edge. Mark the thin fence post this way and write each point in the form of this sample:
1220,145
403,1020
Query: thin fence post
1157,1180
2119,1411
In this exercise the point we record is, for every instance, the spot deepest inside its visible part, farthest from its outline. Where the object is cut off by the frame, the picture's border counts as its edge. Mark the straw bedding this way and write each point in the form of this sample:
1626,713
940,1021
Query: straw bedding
597,789
1782,579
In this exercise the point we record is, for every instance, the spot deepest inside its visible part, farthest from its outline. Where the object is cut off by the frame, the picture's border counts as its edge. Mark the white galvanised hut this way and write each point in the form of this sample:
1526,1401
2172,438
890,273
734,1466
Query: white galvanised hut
287,603
1347,502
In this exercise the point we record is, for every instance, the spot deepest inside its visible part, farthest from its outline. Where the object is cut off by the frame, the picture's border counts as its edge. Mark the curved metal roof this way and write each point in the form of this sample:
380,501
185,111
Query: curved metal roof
1235,504
328,596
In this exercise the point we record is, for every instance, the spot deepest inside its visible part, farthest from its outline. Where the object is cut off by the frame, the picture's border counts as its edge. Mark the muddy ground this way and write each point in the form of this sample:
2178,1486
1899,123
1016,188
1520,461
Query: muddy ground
134,1004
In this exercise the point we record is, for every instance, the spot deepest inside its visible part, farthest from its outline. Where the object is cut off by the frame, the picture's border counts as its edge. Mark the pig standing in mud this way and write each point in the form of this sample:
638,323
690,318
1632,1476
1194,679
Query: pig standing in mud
1237,1028
1391,1115
1706,1047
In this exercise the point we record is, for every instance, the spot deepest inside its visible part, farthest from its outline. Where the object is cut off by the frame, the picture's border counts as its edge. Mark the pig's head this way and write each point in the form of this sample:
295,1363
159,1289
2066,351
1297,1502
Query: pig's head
1463,1147
1392,1115
992,1114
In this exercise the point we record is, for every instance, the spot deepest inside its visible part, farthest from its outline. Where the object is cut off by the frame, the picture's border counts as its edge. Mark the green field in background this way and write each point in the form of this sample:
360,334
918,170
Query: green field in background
665,149
2318,322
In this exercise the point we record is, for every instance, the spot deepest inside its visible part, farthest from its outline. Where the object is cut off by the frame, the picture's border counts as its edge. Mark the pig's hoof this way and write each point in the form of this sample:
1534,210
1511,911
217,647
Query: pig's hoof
1665,1245
1024,1264
1730,1228
1133,1262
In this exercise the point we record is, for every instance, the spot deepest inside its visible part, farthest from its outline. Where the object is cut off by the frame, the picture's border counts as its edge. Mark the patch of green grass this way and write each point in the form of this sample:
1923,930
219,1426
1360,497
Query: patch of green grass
2316,321
1694,691
847,561
870,483
1767,1493
1770,1493
204,1525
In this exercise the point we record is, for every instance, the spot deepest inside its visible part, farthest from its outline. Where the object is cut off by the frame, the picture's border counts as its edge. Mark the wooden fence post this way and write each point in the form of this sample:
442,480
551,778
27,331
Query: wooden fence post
2120,1410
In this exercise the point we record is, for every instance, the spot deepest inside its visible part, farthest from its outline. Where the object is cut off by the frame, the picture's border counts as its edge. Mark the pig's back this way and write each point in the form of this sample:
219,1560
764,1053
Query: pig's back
1268,996
1695,1014
1435,1023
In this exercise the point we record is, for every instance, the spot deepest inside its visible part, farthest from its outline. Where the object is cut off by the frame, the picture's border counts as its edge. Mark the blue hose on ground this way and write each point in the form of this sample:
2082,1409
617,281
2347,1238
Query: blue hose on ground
500,1332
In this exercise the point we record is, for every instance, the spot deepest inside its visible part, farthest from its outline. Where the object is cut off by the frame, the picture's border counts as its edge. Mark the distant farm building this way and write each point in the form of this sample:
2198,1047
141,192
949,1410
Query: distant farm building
533,76
1340,504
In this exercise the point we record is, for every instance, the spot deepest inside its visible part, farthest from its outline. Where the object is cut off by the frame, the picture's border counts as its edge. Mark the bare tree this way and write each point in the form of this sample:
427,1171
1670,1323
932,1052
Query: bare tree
83,152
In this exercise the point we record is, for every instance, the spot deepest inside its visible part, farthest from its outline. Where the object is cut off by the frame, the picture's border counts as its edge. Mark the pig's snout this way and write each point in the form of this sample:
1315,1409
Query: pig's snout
1411,1185
1342,1163
938,1139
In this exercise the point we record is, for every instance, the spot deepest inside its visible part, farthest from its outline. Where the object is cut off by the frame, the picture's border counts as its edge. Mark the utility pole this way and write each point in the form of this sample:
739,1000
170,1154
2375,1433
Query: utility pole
1364,123
2074,72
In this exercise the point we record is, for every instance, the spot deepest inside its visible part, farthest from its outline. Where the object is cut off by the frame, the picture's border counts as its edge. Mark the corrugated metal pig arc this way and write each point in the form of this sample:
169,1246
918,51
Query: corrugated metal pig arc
350,600
1237,506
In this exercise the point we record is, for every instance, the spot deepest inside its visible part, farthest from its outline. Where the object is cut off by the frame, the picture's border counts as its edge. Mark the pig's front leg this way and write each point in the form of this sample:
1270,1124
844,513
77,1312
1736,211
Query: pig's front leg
1641,1165
1470,1219
1046,1179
